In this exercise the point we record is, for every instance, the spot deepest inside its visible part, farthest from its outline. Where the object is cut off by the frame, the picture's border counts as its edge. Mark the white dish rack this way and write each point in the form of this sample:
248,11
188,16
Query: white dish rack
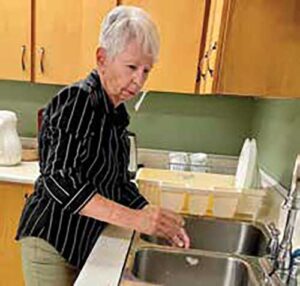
216,201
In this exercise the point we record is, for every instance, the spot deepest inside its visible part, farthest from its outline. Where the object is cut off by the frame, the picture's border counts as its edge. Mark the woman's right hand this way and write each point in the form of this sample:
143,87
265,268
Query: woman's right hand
150,220
153,220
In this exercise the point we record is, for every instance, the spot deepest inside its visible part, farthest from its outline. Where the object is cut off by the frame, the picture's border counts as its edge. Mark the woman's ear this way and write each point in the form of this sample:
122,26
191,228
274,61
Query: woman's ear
101,57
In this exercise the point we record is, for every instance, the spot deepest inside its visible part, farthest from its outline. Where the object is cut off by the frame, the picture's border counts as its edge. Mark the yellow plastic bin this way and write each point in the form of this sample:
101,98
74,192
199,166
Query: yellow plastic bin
172,198
150,190
225,202
188,200
198,201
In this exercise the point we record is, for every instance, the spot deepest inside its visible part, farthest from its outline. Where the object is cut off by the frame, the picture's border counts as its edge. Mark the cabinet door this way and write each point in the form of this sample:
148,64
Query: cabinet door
93,12
258,51
180,25
57,41
213,44
261,53
11,205
15,39
66,34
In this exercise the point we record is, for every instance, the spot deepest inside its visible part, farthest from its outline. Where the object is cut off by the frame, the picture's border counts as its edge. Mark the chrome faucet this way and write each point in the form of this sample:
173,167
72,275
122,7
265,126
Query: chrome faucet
293,199
283,263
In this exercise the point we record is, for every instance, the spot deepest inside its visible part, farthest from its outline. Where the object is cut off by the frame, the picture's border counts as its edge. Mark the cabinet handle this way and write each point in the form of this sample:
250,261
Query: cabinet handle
42,55
200,73
205,61
23,52
26,196
211,50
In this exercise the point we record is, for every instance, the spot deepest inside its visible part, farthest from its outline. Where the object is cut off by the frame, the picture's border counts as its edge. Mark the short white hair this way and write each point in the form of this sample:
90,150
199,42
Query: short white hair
124,24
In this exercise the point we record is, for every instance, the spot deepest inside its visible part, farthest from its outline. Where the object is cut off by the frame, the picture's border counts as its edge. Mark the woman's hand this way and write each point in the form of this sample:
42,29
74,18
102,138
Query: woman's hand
150,220
164,223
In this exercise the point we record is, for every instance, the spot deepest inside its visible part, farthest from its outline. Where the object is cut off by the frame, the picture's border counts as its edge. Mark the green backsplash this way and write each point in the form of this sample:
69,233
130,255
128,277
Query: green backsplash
25,99
276,126
213,124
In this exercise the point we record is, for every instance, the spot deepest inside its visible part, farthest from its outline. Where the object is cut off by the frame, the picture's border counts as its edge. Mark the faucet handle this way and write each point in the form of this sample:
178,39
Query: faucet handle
273,243
294,193
287,203
273,229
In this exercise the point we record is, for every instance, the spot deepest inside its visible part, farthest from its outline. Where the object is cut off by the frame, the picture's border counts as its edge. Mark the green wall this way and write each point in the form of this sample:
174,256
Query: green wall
213,124
25,99
276,126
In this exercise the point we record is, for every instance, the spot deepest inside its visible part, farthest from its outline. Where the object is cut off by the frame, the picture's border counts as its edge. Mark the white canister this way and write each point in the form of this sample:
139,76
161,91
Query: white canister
10,144
179,161
199,162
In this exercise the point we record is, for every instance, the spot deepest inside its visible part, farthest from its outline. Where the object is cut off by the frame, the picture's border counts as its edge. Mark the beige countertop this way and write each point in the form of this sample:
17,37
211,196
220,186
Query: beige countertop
24,173
105,264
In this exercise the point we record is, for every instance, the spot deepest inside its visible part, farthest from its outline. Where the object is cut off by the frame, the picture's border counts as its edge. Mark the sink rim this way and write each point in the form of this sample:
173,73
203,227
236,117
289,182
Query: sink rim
257,225
243,221
246,261
254,269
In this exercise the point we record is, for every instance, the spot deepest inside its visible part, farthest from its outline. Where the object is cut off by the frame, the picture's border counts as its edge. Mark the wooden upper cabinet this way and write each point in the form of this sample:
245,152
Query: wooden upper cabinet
257,48
93,12
15,39
241,47
180,25
66,37
57,41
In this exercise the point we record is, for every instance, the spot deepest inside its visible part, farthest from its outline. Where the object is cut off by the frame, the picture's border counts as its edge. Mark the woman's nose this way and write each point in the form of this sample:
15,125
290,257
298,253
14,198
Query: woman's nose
138,78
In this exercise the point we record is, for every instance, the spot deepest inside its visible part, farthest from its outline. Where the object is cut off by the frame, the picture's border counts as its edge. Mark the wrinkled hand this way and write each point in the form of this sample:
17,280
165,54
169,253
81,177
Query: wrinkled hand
153,220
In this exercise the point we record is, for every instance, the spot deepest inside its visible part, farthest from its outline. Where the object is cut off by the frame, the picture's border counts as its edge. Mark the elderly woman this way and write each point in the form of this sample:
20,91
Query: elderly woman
84,183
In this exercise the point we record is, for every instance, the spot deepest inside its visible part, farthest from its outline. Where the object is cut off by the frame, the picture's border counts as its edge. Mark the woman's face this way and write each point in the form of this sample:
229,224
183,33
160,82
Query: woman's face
124,75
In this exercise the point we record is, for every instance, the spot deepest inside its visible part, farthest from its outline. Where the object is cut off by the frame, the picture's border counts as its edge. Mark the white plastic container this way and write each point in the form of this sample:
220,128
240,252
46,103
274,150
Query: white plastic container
198,202
150,190
179,161
198,162
252,202
225,202
172,198
10,144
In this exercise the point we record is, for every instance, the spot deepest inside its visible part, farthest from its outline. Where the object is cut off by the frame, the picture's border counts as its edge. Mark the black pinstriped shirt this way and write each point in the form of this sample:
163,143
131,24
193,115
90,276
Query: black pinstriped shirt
84,150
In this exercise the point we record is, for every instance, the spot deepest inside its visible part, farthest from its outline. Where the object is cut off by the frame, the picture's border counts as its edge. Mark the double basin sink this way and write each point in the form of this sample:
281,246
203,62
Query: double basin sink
223,252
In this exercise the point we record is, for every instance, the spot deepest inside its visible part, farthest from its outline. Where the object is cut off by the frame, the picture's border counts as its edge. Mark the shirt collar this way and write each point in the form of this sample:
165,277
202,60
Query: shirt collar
99,95
100,98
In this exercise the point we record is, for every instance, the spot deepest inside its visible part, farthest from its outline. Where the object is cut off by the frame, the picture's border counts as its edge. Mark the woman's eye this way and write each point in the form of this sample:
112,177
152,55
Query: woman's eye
146,71
132,67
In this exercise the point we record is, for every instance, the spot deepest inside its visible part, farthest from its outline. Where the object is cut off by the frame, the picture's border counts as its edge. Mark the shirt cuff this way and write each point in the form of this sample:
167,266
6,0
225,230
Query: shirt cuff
138,203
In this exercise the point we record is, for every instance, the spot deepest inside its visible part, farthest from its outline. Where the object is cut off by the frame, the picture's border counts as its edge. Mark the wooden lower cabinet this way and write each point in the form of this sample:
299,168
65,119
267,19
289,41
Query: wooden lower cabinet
12,199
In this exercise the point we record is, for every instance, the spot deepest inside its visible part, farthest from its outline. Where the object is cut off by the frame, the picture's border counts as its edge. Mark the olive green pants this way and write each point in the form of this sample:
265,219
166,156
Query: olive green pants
43,265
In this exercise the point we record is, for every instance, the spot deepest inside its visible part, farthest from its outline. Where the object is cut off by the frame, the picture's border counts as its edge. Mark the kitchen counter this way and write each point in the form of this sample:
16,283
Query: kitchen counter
24,173
105,263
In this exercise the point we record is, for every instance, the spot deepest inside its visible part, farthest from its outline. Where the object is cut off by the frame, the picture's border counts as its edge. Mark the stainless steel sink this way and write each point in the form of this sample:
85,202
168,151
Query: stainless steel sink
178,268
222,235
